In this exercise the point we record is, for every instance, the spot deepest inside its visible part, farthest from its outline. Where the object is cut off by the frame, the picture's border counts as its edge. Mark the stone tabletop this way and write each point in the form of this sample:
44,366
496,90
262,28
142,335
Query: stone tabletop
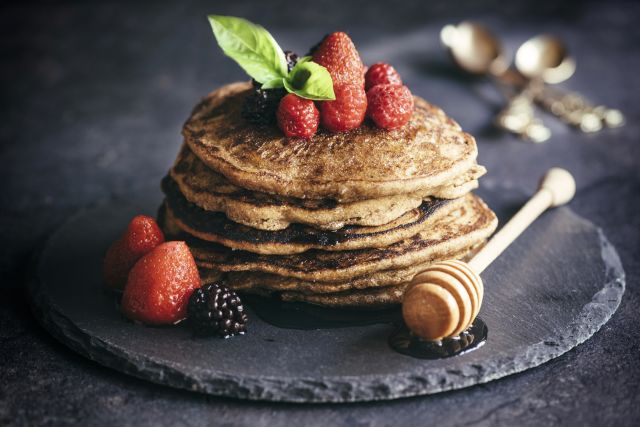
93,98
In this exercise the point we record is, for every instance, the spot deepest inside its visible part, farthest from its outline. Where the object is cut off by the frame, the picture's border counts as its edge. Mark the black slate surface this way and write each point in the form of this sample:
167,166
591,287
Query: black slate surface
93,97
543,297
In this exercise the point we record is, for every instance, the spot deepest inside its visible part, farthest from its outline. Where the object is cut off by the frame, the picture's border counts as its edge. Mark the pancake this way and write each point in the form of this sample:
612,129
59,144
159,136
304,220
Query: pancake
212,192
464,227
349,296
249,281
375,298
367,299
216,227
365,163
388,289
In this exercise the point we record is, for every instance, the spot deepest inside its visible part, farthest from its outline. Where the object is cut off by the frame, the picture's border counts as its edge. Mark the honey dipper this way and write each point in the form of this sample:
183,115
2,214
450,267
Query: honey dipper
444,300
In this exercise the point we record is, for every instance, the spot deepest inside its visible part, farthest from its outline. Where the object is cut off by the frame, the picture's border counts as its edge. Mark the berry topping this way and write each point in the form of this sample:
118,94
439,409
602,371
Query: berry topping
380,74
390,106
141,236
215,309
298,117
347,111
340,57
292,59
160,284
261,105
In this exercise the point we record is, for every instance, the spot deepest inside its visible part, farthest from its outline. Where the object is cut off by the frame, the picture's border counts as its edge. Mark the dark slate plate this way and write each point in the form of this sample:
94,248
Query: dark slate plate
550,291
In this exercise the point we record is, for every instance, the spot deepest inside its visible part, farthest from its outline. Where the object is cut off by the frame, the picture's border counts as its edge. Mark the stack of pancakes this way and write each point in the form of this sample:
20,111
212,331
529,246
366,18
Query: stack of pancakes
338,220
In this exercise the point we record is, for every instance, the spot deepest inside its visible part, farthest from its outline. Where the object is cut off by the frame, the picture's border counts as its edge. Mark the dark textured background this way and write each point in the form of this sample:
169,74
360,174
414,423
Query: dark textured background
92,100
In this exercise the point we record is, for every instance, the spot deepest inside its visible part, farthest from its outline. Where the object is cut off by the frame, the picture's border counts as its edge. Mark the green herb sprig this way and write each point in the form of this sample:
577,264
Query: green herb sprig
260,56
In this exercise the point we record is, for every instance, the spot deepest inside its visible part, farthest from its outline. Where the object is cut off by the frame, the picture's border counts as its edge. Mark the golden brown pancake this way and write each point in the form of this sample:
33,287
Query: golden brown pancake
297,238
247,281
366,163
372,298
347,295
211,191
463,228
365,299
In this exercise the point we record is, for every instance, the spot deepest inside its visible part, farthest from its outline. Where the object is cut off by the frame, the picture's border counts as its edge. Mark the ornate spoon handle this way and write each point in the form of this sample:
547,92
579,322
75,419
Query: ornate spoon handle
574,109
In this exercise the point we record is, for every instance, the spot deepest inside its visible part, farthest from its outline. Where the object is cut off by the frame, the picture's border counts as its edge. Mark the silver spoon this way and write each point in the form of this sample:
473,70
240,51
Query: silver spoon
542,59
546,59
476,50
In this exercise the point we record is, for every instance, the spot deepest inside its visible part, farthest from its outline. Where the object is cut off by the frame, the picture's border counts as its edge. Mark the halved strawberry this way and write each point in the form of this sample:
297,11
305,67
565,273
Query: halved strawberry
160,284
141,236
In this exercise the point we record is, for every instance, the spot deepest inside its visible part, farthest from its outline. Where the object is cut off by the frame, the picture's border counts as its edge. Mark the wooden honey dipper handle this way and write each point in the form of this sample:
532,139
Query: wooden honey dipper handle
556,188
443,300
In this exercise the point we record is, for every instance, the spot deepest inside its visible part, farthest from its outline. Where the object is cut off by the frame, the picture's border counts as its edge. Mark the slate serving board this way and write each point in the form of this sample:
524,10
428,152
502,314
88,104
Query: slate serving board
550,291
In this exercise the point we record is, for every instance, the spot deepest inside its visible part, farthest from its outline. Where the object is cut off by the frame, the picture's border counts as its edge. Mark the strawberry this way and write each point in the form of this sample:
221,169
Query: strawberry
381,73
340,57
160,284
297,117
347,111
141,236
390,106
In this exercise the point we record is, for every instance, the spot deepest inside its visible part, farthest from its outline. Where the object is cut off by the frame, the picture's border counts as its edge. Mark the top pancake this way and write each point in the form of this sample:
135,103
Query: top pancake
366,163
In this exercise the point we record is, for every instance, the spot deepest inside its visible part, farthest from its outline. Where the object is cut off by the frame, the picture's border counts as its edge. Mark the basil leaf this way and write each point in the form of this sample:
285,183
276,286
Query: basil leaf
251,46
302,60
310,80
273,84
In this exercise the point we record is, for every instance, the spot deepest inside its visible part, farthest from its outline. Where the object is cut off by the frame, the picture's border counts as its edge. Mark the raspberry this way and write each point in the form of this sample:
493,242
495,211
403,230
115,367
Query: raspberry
141,236
347,111
380,74
160,284
214,309
298,117
390,106
340,57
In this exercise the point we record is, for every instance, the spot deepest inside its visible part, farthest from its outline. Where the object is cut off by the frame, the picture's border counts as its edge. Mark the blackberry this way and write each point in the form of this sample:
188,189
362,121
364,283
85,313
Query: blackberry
261,105
214,309
292,59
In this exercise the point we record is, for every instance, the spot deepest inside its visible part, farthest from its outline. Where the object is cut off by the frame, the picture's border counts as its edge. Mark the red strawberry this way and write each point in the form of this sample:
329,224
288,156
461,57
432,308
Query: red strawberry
380,74
160,284
347,111
297,116
340,57
141,236
390,106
